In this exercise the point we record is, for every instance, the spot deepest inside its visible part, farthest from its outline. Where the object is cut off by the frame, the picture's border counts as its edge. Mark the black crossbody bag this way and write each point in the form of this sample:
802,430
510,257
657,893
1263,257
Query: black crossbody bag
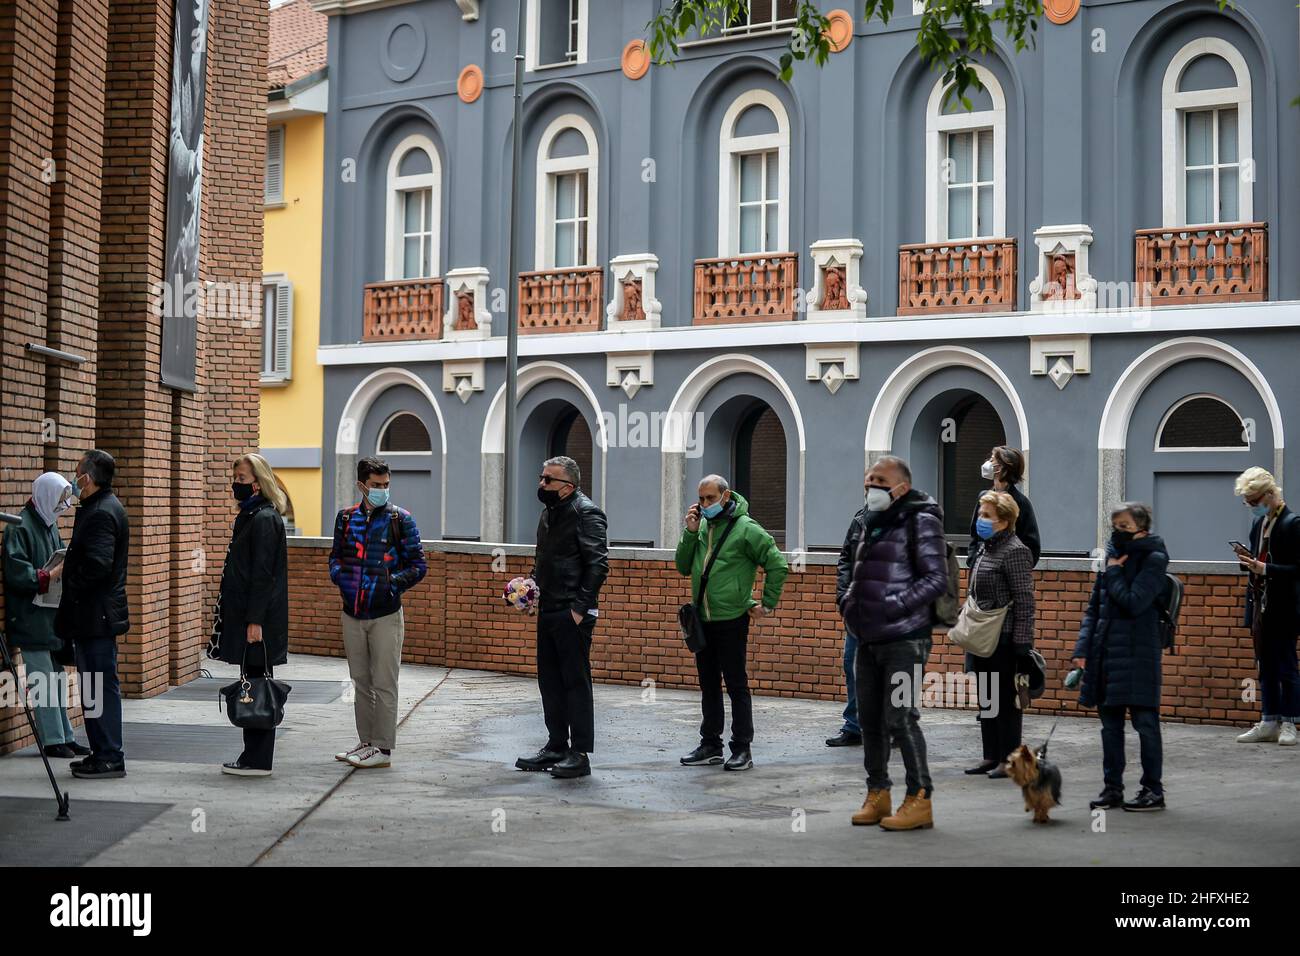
688,616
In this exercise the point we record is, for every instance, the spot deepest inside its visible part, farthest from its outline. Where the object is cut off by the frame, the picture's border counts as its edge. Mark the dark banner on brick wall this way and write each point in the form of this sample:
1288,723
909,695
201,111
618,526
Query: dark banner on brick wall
184,190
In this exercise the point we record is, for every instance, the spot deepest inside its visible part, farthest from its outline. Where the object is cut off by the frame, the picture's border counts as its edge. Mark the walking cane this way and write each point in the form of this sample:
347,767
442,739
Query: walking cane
59,795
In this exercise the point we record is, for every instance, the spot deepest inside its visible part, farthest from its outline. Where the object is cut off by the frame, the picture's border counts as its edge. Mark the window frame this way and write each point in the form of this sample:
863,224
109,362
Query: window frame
533,36
1176,104
937,127
273,200
281,373
1164,420
383,430
730,148
396,187
548,171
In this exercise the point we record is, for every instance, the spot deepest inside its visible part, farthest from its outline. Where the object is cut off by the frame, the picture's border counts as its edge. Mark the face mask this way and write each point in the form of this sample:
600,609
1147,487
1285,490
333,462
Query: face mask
984,528
242,491
878,499
62,506
1260,510
76,487
1120,539
712,511
378,497
986,471
548,496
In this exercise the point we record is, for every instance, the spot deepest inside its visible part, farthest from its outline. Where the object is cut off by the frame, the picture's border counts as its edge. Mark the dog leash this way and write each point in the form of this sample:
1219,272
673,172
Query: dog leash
1042,751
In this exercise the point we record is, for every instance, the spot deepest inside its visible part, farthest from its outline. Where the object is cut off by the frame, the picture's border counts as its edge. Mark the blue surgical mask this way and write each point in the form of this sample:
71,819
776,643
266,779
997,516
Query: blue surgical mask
378,497
712,511
76,488
1260,510
984,528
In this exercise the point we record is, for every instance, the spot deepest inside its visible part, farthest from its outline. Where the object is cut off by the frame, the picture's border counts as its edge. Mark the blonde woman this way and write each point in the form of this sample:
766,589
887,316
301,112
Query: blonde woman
1272,596
253,616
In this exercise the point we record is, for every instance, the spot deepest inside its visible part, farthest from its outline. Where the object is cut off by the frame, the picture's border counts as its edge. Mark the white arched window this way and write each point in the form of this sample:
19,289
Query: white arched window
404,434
754,176
567,162
1202,422
413,214
1207,165
966,163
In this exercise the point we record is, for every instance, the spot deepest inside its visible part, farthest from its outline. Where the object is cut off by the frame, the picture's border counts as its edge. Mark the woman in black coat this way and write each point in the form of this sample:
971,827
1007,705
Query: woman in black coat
1006,469
1119,649
252,626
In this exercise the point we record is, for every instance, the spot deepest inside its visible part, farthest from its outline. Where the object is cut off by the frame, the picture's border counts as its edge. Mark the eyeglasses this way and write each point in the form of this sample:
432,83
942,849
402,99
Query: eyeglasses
547,479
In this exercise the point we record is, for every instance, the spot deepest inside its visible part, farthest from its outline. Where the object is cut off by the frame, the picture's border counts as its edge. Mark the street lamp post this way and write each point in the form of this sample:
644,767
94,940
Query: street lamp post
512,280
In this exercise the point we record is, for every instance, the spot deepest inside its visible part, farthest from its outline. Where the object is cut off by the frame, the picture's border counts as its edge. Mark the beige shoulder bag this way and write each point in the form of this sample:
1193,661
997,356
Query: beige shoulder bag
978,631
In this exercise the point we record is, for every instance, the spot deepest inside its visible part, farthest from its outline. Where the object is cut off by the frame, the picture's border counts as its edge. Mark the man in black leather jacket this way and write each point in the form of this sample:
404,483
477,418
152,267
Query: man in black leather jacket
570,564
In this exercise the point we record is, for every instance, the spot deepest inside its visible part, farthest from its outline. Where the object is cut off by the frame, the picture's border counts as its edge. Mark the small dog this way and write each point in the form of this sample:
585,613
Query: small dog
1038,778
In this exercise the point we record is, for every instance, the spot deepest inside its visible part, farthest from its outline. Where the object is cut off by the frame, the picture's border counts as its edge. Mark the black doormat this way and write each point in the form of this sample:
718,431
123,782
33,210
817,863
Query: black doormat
304,691
213,743
30,836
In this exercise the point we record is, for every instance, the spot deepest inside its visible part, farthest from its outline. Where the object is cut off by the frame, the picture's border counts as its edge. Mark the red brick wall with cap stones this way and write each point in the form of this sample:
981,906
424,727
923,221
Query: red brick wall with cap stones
89,87
456,617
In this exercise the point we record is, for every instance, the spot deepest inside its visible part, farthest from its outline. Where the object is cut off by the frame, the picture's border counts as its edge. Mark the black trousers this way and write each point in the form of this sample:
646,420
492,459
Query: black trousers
1002,722
564,678
101,695
723,658
259,745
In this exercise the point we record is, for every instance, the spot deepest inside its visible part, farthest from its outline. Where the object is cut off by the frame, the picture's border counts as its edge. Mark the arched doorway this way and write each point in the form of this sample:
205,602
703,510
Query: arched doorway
400,428
972,427
572,438
759,470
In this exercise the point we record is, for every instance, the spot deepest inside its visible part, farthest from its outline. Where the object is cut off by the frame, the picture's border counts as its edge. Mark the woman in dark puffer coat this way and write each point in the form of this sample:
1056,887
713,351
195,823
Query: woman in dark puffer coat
1119,648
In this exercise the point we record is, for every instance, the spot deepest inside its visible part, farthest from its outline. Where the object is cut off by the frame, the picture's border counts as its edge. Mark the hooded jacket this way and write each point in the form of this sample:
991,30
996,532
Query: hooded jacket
894,583
731,580
27,549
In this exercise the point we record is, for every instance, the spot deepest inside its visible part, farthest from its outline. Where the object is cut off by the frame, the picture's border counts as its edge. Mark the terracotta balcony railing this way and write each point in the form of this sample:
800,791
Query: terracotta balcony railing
403,309
561,300
759,288
977,276
1227,263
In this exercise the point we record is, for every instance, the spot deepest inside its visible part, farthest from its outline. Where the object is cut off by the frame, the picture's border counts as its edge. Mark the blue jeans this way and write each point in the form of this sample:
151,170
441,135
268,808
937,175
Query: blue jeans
1146,721
97,662
851,725
51,715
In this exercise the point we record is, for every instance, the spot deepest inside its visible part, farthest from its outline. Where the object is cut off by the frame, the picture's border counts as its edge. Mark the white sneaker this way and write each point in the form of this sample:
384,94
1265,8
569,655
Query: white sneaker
370,757
348,753
1264,732
1287,736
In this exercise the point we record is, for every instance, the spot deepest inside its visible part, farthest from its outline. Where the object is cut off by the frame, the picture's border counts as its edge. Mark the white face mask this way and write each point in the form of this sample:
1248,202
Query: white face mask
986,471
878,499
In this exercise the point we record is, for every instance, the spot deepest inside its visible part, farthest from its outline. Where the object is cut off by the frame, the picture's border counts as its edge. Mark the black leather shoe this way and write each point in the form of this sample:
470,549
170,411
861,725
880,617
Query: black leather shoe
544,759
844,739
59,751
984,767
1146,802
740,760
92,768
703,756
1108,800
77,749
574,764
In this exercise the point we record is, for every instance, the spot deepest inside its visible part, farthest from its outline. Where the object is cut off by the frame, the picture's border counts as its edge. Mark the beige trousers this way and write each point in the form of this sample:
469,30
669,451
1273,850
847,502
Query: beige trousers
374,650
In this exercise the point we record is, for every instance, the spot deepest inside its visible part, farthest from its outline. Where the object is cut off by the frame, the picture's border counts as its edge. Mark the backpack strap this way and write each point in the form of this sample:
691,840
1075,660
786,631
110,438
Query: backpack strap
708,566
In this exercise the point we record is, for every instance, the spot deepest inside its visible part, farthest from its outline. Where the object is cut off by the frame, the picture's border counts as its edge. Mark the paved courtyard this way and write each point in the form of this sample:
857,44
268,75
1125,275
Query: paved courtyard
453,797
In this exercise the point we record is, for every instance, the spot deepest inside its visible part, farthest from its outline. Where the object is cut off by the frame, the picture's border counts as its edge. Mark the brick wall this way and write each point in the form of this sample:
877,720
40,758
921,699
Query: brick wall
456,617
85,91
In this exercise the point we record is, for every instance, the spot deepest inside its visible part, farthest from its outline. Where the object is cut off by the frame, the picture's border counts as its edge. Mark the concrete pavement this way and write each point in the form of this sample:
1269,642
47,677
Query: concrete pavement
453,797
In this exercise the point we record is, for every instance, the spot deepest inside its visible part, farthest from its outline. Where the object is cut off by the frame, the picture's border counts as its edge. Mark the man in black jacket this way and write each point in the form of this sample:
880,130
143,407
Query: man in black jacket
93,611
570,564
850,734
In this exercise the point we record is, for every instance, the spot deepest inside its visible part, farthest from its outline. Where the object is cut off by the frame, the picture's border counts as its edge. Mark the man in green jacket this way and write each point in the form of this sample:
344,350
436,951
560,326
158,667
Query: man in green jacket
721,522
30,627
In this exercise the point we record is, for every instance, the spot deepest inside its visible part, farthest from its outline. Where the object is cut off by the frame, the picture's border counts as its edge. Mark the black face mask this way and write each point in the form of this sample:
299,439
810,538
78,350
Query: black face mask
1120,540
548,496
242,491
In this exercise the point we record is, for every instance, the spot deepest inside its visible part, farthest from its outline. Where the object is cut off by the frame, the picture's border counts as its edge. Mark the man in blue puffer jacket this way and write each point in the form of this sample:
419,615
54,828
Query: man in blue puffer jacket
901,568
376,556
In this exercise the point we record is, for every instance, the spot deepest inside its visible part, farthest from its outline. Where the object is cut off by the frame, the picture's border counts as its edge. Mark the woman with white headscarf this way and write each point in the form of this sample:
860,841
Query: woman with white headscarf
28,547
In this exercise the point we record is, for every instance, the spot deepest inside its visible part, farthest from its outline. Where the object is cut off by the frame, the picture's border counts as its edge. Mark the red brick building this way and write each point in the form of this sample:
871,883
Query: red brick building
85,94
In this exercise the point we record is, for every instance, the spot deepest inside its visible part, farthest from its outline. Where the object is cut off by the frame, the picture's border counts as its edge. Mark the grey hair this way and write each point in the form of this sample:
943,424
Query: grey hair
1140,512
893,461
716,480
570,467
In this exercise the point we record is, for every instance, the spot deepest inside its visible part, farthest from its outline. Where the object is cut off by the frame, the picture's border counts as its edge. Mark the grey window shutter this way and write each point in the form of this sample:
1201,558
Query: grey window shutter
283,329
274,192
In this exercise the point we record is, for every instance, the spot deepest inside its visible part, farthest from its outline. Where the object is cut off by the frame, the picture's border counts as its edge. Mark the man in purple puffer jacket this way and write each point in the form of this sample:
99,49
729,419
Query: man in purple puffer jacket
900,569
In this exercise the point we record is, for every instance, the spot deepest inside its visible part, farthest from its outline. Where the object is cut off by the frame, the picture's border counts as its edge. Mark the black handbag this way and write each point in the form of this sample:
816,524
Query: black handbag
688,615
255,703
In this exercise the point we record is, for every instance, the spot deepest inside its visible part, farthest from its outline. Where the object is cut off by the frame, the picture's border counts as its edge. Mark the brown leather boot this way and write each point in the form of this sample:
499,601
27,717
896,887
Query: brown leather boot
914,814
874,809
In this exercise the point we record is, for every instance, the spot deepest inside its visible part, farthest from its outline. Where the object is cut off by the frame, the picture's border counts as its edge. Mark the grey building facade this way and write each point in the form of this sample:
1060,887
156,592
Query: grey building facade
722,272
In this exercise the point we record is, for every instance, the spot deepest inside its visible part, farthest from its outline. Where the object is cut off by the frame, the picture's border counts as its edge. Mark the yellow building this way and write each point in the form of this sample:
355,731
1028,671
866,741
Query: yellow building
292,383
